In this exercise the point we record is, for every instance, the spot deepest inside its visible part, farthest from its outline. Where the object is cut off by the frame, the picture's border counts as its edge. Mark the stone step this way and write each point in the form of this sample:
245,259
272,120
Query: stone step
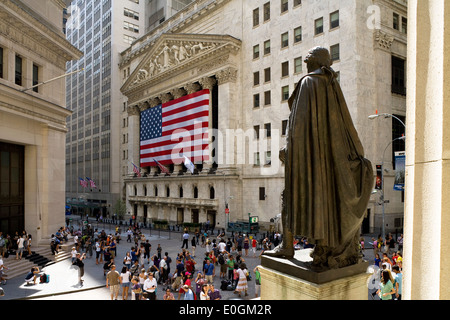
42,256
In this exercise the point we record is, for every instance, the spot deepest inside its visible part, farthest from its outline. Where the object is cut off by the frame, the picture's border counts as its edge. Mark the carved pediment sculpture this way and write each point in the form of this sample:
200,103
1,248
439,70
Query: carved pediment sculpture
173,52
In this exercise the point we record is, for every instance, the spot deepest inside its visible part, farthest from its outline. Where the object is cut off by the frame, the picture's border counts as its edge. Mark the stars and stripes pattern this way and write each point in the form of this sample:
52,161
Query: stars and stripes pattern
174,129
83,182
91,182
136,170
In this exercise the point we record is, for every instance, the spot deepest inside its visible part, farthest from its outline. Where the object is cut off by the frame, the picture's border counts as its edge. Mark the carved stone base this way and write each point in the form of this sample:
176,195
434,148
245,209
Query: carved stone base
276,285
300,266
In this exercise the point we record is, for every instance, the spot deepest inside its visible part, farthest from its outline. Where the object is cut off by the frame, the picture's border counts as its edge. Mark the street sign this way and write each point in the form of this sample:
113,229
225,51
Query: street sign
253,219
227,211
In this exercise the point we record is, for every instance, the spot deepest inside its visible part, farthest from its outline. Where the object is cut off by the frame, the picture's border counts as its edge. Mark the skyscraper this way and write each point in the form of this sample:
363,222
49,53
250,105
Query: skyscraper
101,29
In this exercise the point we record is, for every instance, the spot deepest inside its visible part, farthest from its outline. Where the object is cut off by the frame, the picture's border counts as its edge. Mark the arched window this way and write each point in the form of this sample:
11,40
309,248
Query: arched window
156,191
212,193
145,190
135,190
195,192
181,192
168,192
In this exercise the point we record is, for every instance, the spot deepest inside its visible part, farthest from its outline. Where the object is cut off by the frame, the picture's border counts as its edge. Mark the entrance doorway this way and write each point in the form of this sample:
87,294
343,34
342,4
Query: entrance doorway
12,196
211,217
180,216
194,216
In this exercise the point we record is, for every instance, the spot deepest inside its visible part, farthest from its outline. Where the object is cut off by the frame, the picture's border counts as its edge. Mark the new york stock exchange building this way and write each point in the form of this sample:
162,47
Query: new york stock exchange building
185,114
205,109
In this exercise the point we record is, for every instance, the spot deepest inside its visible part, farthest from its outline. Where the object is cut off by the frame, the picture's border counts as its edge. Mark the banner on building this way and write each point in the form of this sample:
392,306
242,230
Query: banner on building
399,183
379,179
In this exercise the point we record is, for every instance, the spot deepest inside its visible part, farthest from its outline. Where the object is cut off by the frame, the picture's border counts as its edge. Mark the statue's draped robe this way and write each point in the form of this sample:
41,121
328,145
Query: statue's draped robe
328,181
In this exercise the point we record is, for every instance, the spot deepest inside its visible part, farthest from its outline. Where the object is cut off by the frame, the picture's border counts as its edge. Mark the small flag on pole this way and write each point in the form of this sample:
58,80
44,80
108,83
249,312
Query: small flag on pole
163,168
136,170
83,182
91,182
188,164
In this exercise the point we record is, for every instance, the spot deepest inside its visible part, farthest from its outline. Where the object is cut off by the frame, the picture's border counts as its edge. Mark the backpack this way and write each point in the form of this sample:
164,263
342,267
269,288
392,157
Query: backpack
221,259
44,278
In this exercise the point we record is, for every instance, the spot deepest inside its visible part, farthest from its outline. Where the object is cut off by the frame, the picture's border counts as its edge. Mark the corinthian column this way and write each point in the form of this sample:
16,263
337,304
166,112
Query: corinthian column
133,134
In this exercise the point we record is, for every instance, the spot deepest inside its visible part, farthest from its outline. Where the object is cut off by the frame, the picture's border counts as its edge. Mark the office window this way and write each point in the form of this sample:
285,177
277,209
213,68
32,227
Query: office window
404,25
297,2
285,40
128,39
256,100
1,62
35,77
298,34
398,76
267,11
268,130
256,52
334,51
256,128
256,78
262,193
267,75
267,98
334,20
256,159
284,6
131,27
256,17
284,127
18,77
285,93
267,47
268,158
396,21
131,14
298,64
318,26
285,69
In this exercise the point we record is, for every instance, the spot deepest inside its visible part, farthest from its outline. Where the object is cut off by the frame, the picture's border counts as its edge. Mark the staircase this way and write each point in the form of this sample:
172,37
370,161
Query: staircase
40,256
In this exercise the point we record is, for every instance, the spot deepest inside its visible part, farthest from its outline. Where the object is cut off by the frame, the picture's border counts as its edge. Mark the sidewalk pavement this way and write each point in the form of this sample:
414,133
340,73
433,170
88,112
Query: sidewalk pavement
64,277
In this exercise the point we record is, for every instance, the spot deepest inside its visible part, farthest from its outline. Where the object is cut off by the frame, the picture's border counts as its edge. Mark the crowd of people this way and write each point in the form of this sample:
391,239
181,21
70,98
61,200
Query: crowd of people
141,273
389,263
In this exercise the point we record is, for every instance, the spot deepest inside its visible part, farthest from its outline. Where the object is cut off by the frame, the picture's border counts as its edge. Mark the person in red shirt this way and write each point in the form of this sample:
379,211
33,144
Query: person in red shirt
254,244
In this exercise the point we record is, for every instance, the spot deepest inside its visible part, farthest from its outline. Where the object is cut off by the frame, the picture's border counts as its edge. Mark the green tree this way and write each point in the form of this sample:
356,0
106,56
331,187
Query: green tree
120,208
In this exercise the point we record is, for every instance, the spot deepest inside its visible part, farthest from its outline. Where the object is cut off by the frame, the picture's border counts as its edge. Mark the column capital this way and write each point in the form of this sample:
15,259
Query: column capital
227,75
192,87
133,110
207,83
154,102
165,97
178,93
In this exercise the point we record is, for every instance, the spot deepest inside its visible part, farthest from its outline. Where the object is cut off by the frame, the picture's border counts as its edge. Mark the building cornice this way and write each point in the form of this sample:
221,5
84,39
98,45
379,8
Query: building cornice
19,26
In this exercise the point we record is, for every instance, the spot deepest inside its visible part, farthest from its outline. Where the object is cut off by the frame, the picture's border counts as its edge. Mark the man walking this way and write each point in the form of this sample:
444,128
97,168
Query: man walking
185,239
113,282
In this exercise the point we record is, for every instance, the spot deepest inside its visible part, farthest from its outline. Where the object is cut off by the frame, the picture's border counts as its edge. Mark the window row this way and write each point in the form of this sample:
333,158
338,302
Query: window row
267,11
19,70
180,194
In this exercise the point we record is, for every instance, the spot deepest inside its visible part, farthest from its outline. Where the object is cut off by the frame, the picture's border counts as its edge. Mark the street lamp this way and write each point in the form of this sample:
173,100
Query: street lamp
386,115
383,201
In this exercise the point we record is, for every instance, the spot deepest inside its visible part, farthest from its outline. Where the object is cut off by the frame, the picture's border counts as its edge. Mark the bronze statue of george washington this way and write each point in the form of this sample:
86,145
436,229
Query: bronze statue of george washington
328,181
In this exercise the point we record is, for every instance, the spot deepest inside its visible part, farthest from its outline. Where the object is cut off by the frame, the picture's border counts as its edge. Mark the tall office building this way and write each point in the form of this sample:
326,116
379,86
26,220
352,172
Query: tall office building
101,29
249,55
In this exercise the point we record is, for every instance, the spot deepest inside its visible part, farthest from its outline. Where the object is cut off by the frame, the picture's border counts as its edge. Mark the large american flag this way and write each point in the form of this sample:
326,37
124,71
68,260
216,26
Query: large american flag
176,129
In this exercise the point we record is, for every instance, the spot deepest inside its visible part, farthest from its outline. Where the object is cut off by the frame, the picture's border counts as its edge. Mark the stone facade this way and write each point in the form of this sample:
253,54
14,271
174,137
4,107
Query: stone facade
32,37
251,86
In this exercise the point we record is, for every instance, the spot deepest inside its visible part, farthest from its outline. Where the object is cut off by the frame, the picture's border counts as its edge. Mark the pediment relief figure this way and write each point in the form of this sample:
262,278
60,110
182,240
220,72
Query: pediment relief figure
170,53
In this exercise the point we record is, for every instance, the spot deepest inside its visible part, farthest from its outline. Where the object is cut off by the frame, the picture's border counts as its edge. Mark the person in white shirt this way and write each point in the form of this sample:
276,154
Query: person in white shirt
20,247
222,245
150,286
74,254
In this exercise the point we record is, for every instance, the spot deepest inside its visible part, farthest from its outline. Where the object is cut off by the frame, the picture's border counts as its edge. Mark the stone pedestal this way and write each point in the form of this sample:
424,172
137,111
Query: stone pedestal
290,279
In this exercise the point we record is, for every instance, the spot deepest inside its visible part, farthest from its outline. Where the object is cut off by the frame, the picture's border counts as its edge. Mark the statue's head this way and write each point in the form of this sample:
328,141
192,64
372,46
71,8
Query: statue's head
318,57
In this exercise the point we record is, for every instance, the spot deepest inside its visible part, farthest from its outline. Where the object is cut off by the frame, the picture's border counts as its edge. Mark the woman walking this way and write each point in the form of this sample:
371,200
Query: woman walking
242,285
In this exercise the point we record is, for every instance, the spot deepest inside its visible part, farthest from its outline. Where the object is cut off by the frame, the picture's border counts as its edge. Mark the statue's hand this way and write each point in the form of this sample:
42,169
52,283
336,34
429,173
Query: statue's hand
282,154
